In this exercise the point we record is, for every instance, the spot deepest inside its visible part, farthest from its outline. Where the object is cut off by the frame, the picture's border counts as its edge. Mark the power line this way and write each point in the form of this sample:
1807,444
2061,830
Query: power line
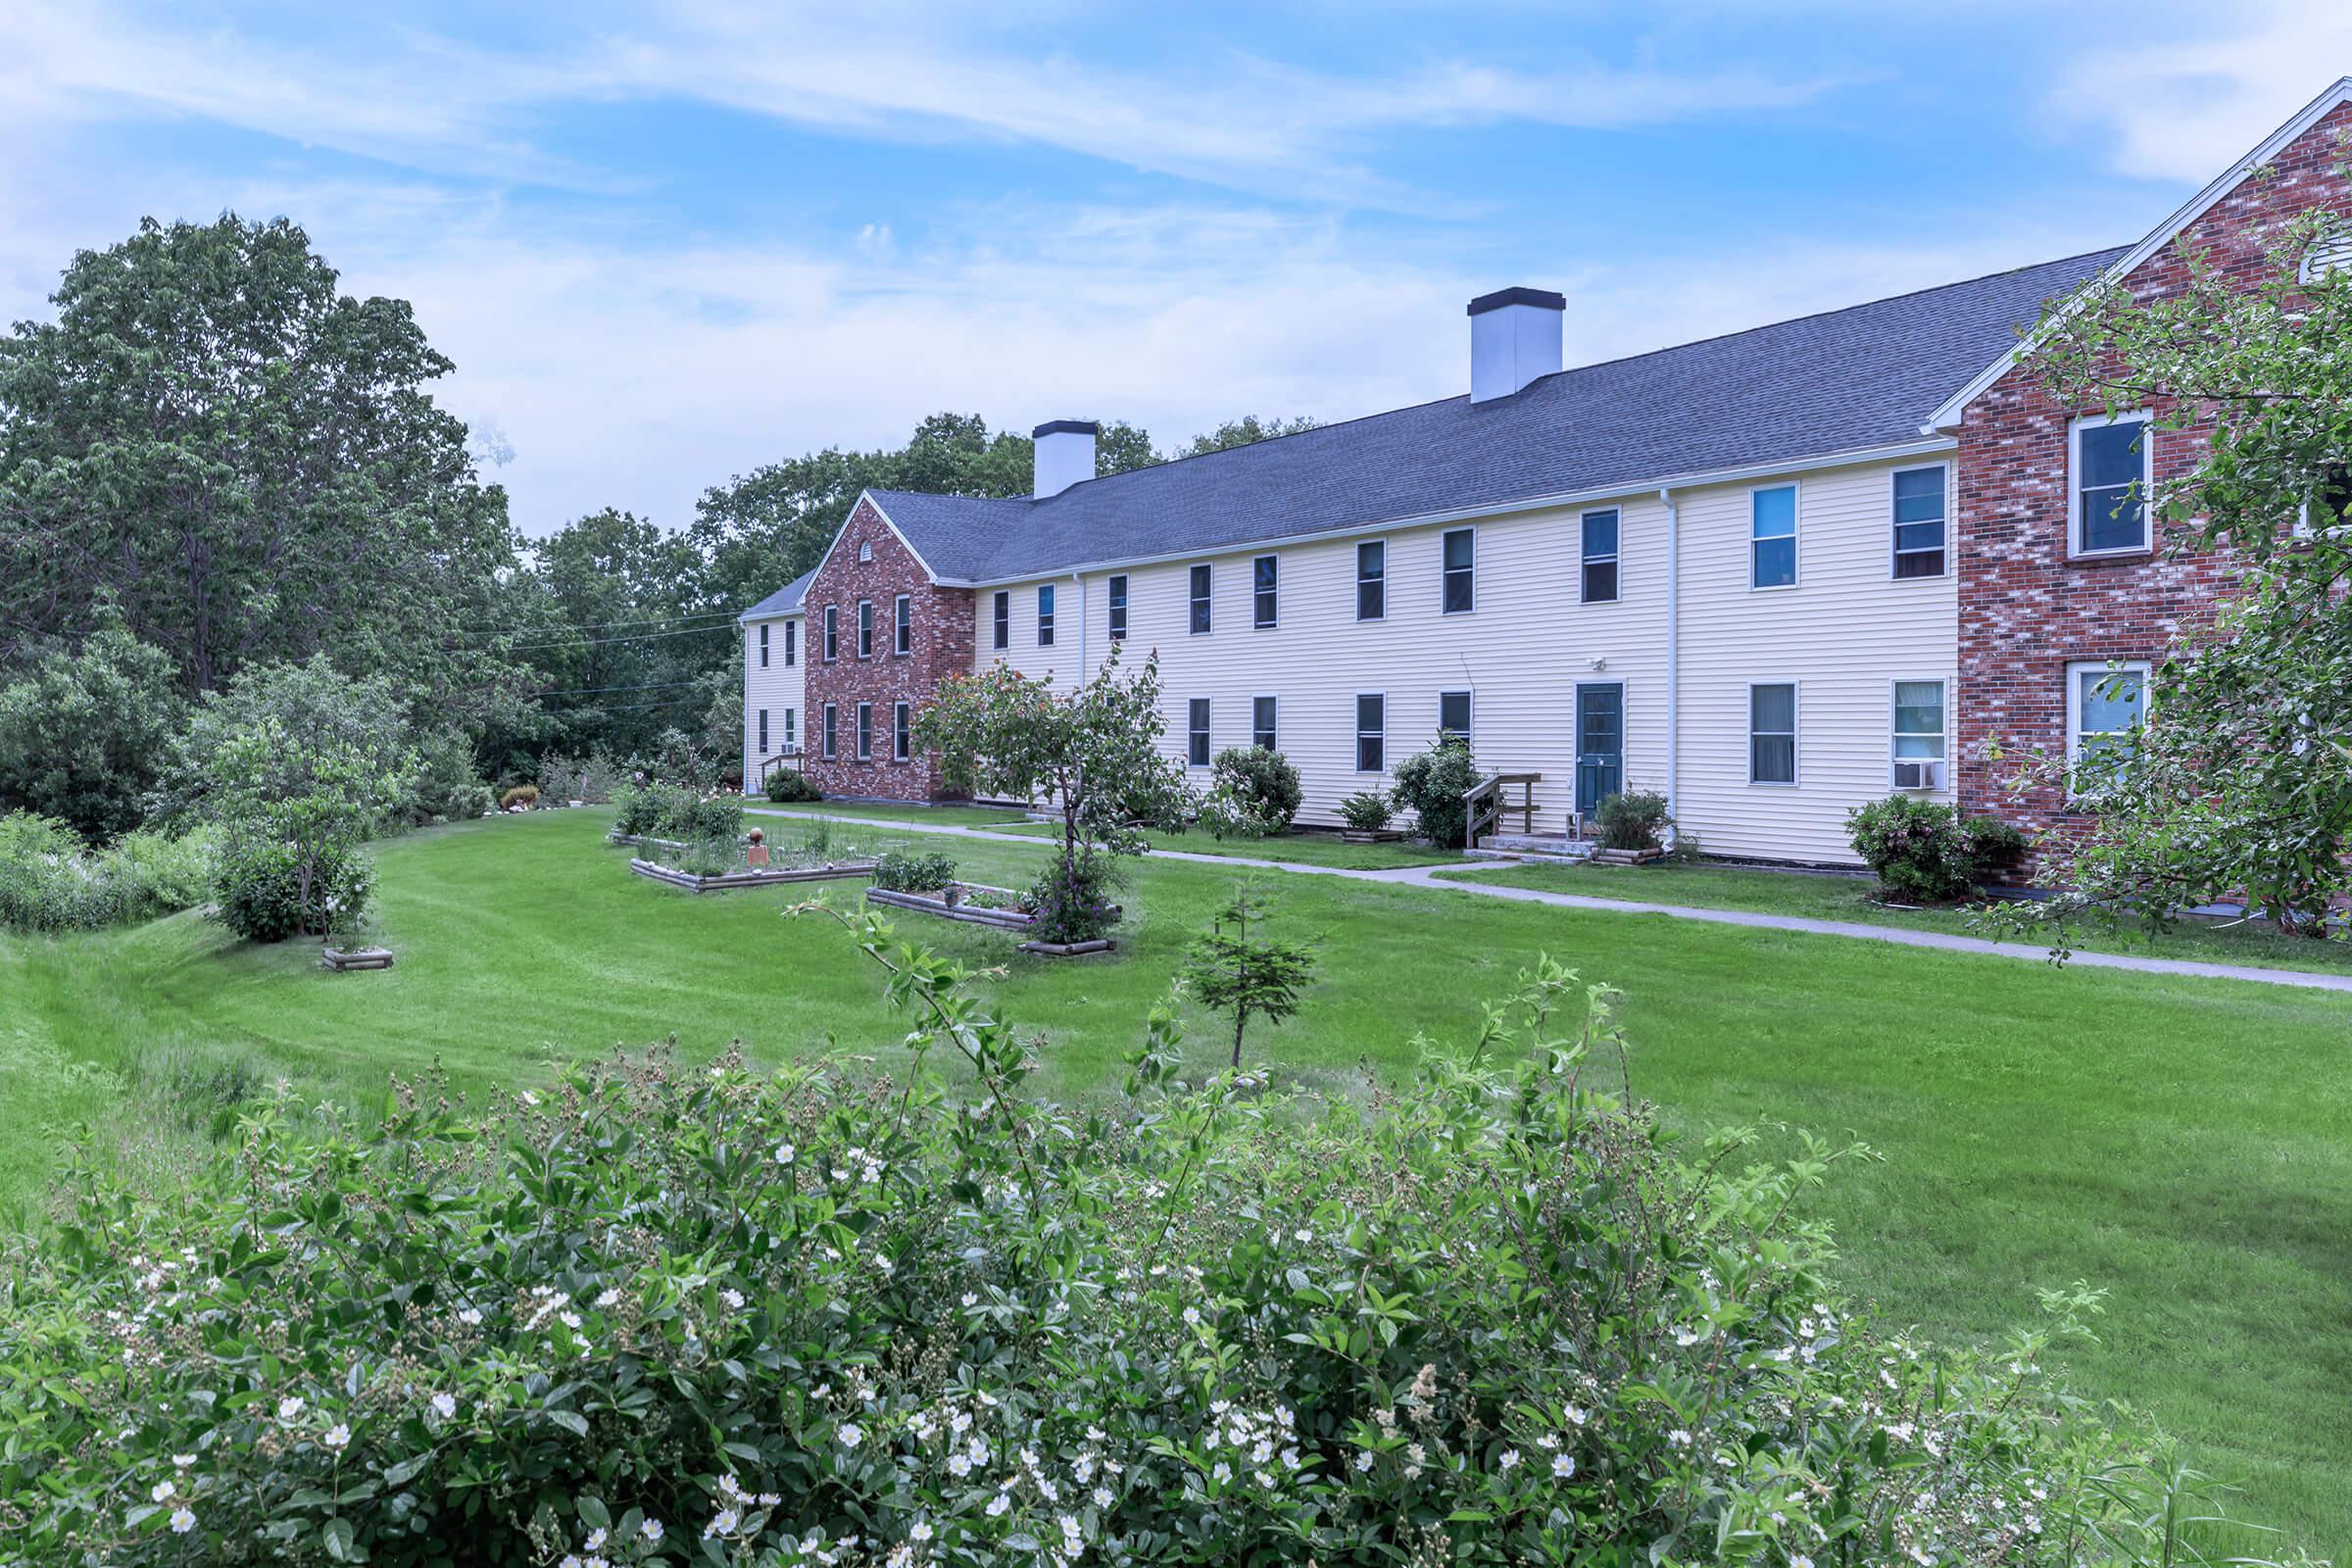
643,686
713,616
598,642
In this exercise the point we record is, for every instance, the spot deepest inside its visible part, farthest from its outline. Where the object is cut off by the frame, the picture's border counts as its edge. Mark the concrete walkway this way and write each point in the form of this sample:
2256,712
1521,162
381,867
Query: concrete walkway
1426,876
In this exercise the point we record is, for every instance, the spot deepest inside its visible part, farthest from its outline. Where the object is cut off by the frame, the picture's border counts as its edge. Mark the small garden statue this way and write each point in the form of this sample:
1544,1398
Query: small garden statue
757,857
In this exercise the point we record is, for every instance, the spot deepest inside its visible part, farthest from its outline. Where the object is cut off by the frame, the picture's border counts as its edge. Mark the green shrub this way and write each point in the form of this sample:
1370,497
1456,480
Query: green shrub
1072,900
636,808
1261,781
903,871
1634,819
1366,811
50,881
445,786
686,815
600,778
523,795
786,786
722,1317
1431,786
1925,853
262,894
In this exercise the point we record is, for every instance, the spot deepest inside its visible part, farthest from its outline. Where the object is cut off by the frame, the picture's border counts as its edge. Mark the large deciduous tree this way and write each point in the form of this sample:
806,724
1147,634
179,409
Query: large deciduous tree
84,734
2238,782
245,464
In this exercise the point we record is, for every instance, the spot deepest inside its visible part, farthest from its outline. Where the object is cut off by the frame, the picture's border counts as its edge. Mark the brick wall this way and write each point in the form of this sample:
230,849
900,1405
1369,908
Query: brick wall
941,636
2025,609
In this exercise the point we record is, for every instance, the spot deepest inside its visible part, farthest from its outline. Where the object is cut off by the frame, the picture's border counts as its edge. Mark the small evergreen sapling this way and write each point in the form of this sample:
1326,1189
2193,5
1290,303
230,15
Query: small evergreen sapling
1230,970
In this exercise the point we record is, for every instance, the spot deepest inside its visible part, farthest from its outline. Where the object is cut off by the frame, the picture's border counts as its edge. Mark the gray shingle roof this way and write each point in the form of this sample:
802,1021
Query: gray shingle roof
783,602
1841,381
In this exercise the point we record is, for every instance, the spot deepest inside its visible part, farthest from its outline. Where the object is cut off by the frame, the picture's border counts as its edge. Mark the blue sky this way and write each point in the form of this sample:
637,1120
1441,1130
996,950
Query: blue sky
668,243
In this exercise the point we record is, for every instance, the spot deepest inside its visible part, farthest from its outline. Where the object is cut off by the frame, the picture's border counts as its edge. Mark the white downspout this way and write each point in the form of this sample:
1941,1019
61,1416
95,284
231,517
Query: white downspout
1673,655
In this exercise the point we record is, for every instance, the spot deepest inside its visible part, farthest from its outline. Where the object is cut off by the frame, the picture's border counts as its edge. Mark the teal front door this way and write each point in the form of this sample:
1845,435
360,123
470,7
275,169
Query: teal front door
1600,744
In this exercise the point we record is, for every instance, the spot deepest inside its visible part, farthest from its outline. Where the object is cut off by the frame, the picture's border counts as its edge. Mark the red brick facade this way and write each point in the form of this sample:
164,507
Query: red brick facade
870,564
2027,610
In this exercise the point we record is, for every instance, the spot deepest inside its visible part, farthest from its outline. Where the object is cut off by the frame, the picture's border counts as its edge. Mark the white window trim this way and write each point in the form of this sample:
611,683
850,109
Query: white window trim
2074,487
1207,732
902,726
1266,696
1796,536
791,735
1000,623
828,735
1443,535
862,631
1356,733
763,732
1355,577
1209,599
1616,557
1943,685
792,644
1796,733
1895,554
1118,605
2075,669
764,641
1470,734
902,627
830,649
1045,594
1256,624
864,738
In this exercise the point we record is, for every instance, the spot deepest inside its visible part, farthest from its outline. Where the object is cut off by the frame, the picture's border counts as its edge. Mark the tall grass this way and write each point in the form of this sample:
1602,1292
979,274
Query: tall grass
50,881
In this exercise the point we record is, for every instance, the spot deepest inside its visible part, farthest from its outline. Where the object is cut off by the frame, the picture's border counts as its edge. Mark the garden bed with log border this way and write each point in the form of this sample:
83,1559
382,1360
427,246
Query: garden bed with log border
730,881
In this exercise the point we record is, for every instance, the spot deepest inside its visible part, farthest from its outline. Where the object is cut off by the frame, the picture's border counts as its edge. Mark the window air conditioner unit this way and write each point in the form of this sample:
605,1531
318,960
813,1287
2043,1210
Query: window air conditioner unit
1919,775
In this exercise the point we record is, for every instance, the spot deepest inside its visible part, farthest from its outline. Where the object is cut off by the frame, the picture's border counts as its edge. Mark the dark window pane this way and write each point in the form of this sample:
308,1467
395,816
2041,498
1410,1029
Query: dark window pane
1458,547
1370,755
1919,564
1772,707
1601,533
1453,712
1119,608
1601,581
1771,758
1261,723
1371,599
1775,562
2111,454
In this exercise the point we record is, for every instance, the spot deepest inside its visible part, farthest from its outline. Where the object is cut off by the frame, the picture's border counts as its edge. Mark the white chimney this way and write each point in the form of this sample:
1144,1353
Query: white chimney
1514,338
1065,454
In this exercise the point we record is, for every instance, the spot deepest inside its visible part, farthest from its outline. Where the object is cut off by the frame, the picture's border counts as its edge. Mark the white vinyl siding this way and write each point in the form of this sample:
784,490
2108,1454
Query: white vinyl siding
773,688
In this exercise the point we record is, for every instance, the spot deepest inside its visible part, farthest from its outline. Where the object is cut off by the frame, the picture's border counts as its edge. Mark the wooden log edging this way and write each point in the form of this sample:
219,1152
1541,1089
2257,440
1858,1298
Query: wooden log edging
733,880
925,903
1068,949
339,960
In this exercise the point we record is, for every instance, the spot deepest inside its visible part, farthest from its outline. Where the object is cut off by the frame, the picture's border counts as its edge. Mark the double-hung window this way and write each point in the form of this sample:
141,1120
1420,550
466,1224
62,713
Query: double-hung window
2331,509
1045,615
791,732
1372,581
1265,585
832,633
1919,521
1772,537
1771,733
832,731
865,732
792,642
901,736
2106,706
763,732
1196,732
764,647
1262,729
1371,732
1918,733
1000,610
1117,596
1460,552
1601,557
2109,490
1453,714
865,629
902,630
1199,585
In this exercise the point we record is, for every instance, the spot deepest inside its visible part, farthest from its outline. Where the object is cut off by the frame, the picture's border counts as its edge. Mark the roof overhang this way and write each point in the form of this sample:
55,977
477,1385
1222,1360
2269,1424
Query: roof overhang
1947,417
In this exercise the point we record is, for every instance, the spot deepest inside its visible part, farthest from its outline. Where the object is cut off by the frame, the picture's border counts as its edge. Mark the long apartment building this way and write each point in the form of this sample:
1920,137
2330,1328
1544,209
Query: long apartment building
1772,576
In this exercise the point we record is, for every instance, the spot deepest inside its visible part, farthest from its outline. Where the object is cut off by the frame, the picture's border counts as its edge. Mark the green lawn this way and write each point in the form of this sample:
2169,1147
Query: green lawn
948,816
1852,897
2180,1141
1299,849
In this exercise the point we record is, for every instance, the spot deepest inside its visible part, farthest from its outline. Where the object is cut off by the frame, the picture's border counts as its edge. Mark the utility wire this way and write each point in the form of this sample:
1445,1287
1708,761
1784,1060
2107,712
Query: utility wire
644,686
487,629
598,642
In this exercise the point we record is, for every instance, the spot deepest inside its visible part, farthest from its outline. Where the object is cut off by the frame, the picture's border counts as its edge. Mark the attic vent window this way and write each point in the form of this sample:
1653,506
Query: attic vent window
865,550
2332,252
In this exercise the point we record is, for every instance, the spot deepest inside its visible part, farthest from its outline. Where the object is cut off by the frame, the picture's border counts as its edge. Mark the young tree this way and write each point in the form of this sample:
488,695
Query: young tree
1094,756
2238,780
1430,784
1251,977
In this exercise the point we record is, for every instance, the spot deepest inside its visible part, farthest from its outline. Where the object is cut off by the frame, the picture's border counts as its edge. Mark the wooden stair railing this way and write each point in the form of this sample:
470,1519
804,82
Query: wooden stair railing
790,756
1487,803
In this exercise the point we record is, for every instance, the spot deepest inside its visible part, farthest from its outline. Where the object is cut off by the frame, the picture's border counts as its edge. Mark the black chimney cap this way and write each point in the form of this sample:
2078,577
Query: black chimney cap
1066,427
1518,296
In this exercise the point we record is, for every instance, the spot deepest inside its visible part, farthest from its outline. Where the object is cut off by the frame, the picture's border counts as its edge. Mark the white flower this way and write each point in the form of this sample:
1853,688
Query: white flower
784,1154
650,1530
183,1461
608,1297
1510,1460
1191,1315
1679,1437
1563,1465
1577,1416
959,1466
723,1523
999,1503
1102,1496
922,1531
444,1407
529,1099
1363,1459
163,1490
568,1318
850,1437
1685,1338
772,1499
183,1520
969,1299
471,1316
289,1410
338,1437
1222,1472
733,1298
596,1539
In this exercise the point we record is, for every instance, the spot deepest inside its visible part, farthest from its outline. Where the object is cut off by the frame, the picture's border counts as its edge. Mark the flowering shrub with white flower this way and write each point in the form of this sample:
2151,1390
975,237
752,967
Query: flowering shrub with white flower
700,1315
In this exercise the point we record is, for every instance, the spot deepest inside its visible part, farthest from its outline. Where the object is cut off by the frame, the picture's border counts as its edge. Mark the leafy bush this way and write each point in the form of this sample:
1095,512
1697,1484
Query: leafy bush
636,808
786,786
558,779
1634,819
1922,850
707,857
686,815
83,735
1261,780
523,795
445,786
720,1317
267,889
50,881
1072,899
1431,784
679,760
1366,811
902,872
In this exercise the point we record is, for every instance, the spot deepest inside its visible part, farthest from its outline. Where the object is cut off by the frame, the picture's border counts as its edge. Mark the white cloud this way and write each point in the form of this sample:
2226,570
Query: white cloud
2208,84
